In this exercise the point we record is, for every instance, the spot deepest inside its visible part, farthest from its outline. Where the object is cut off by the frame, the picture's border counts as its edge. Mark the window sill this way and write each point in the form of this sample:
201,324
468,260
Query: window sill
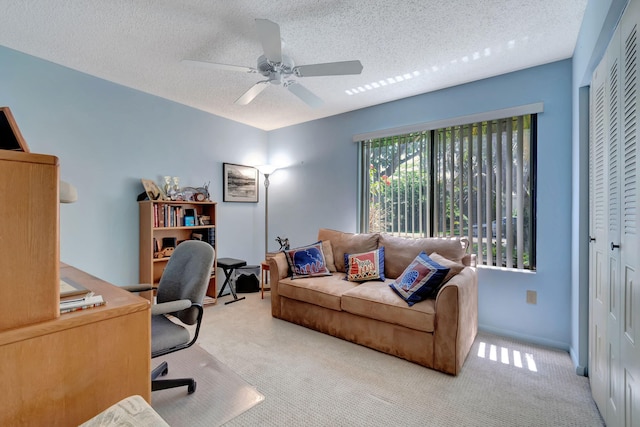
505,269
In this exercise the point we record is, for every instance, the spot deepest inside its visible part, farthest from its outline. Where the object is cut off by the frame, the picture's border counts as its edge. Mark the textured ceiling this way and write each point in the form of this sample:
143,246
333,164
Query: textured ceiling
406,47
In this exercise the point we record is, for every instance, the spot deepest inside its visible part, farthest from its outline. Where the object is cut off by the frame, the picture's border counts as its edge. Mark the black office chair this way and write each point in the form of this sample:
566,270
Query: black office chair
180,294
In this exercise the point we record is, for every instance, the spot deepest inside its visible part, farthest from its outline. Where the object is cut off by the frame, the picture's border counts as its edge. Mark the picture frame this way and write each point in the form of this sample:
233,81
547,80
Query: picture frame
152,189
239,183
10,136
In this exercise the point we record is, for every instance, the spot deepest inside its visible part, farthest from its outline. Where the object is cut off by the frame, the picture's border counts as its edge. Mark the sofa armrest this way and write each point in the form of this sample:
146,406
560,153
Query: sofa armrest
456,323
278,269
469,260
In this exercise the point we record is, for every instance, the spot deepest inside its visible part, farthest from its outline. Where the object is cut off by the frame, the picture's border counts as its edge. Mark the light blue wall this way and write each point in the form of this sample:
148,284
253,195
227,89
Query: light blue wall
108,137
322,191
597,28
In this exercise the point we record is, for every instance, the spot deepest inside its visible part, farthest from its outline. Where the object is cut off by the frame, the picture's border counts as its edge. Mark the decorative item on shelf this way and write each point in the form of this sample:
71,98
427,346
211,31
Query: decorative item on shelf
166,252
196,194
167,185
169,242
153,191
204,219
283,242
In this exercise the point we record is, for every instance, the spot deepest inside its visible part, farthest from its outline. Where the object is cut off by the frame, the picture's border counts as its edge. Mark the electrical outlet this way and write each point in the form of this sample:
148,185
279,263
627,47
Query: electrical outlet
532,297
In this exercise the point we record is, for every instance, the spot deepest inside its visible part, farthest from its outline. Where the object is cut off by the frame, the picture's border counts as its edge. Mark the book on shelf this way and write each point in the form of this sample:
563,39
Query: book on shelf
211,236
88,301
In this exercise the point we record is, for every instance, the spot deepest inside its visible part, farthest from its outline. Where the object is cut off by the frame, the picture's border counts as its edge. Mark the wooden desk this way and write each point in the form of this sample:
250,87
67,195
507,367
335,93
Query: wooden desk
62,372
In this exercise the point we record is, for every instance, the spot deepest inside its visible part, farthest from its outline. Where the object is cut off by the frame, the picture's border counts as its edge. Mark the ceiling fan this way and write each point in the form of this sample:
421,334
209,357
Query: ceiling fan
280,69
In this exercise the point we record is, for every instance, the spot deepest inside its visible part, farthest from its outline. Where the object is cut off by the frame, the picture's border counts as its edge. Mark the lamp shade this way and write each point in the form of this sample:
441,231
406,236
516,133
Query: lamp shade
267,169
68,192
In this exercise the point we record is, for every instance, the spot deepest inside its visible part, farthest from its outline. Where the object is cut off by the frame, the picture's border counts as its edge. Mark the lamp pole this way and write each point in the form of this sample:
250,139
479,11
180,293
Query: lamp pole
266,211
266,171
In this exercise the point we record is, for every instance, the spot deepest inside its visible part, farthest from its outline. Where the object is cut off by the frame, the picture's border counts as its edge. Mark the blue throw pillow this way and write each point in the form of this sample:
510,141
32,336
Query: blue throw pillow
365,266
420,280
307,261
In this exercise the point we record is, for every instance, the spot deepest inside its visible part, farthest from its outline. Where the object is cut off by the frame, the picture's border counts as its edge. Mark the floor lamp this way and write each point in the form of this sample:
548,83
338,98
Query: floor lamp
266,170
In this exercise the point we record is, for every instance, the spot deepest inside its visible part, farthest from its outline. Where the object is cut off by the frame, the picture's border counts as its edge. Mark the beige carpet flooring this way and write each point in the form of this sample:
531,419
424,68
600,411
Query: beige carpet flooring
312,379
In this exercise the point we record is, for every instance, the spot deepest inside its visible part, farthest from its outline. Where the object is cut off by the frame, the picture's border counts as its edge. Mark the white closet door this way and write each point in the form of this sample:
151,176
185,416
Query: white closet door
629,293
598,162
615,103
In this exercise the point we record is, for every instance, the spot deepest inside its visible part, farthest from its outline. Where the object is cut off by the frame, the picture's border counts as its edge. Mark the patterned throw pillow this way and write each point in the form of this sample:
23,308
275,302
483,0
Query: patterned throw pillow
365,266
420,280
307,261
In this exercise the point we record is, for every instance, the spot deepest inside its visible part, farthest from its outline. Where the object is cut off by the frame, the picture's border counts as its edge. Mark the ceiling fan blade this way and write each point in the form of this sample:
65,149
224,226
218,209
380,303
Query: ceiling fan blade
305,95
254,91
217,66
269,34
329,69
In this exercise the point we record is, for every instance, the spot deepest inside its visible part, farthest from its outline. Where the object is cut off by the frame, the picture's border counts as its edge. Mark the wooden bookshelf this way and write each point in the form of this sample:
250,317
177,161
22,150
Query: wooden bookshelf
161,221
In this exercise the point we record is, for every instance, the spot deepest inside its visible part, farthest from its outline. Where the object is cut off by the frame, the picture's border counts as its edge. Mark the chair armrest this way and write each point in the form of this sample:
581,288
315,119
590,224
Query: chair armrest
170,307
138,288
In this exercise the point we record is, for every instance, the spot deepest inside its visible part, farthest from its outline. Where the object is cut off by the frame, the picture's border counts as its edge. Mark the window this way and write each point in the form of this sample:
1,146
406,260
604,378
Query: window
474,180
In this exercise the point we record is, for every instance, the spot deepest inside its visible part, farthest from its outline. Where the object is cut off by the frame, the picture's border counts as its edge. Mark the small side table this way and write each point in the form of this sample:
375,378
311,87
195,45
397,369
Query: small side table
264,269
228,265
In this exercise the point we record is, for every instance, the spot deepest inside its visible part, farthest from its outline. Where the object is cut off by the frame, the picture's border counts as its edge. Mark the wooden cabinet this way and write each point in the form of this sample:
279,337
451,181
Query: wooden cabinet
166,223
63,371
29,238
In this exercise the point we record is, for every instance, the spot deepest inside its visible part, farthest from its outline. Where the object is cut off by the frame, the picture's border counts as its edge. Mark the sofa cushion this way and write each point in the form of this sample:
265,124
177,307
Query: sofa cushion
376,300
307,261
324,291
365,266
342,243
401,251
420,280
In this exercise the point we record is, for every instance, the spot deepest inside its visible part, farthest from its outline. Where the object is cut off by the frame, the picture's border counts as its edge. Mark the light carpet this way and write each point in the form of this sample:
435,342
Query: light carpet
220,393
312,379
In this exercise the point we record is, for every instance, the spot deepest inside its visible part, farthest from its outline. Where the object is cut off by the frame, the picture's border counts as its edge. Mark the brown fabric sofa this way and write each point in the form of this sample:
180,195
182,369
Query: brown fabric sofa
436,333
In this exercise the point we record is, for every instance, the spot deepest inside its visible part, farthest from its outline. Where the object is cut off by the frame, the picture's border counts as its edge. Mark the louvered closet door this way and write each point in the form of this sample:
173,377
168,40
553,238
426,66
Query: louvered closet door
614,105
598,275
629,369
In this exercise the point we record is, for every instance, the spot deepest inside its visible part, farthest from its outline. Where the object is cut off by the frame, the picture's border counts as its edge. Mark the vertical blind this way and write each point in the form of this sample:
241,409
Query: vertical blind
473,180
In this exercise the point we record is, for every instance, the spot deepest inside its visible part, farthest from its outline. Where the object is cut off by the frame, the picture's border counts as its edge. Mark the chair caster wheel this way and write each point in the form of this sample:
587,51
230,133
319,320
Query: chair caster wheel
191,388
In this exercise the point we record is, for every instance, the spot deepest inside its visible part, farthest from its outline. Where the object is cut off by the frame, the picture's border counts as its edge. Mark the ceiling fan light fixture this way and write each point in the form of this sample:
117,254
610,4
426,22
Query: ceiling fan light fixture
277,67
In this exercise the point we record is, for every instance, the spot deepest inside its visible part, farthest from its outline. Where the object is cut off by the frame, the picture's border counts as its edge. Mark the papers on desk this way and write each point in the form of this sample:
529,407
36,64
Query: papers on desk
88,301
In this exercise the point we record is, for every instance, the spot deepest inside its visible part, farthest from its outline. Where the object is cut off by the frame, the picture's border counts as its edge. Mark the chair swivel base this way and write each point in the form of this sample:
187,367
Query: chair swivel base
162,370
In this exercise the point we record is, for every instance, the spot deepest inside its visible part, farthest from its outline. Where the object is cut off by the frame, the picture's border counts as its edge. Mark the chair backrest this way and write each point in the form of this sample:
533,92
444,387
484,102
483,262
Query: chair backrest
186,276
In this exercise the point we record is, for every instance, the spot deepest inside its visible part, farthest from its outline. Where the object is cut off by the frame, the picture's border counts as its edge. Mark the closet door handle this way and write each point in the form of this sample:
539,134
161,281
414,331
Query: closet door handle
614,246
592,239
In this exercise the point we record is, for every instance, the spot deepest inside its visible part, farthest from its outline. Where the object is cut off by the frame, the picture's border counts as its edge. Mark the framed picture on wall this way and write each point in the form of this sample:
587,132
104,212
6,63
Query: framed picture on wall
239,183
